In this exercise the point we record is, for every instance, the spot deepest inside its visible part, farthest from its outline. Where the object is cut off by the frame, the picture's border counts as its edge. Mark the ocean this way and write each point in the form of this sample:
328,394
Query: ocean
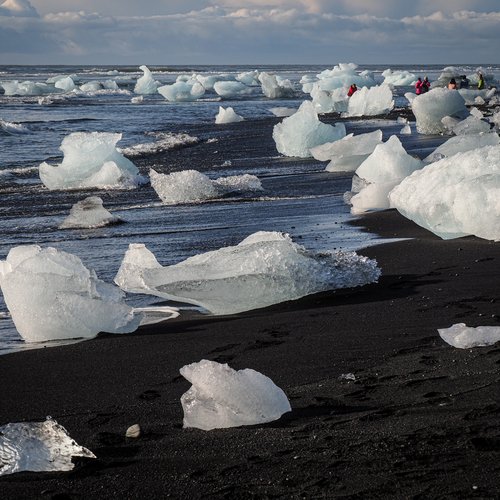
298,198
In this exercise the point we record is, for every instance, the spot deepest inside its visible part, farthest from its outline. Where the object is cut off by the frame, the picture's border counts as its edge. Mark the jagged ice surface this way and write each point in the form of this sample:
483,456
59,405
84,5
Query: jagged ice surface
221,397
461,144
264,269
466,337
38,447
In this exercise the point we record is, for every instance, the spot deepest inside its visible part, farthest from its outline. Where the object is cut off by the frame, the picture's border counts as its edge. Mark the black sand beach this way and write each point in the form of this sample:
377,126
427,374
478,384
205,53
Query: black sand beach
421,420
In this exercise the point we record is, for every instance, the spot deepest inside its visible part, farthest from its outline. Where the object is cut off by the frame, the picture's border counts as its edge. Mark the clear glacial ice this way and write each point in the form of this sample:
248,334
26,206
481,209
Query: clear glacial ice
275,88
265,268
91,159
399,78
182,91
146,84
38,447
466,337
89,213
461,144
371,101
227,115
221,397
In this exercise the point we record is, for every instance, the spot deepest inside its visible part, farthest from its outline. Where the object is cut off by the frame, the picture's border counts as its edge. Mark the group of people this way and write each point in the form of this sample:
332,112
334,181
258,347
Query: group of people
465,83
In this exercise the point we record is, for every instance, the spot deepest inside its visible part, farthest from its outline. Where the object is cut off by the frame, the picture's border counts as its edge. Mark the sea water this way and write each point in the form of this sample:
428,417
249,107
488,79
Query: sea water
298,197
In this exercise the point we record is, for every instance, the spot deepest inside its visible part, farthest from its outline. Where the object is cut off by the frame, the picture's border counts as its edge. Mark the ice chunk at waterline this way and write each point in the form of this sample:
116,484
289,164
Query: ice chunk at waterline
348,153
221,397
265,268
51,295
275,88
146,83
38,447
465,337
190,186
90,160
89,213
371,101
297,134
182,91
431,107
456,196
227,115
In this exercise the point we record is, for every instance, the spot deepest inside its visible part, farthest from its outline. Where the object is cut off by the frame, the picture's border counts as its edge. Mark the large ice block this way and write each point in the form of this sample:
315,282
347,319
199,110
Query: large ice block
399,78
371,101
182,91
466,337
146,84
228,89
274,88
265,268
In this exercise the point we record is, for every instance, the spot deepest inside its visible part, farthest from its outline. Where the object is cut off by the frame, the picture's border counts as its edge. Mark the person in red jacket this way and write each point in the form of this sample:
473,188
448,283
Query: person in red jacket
419,87
352,89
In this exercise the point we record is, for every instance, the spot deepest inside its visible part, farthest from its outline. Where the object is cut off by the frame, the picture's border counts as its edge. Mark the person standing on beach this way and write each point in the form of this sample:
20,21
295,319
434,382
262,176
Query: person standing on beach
419,87
453,84
426,85
480,82
352,89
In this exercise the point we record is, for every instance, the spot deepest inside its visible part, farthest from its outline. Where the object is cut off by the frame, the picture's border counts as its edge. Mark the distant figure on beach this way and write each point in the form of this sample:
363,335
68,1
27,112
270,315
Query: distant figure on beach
419,86
480,82
464,82
453,84
426,85
352,89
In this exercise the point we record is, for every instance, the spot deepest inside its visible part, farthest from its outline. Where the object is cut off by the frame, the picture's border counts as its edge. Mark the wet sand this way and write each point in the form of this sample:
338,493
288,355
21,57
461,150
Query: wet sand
421,420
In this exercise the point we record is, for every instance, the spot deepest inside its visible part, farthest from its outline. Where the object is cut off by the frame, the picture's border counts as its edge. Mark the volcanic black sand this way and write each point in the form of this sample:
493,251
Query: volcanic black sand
421,420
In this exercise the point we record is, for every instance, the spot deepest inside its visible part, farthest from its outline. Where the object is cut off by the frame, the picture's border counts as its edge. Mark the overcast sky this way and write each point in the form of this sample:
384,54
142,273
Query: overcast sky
249,32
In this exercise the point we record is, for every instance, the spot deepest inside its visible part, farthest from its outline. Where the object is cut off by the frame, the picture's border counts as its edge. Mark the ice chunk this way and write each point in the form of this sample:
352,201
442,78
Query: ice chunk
399,78
465,337
137,100
221,397
250,78
67,84
470,95
406,130
89,213
264,269
455,196
297,134
471,125
231,89
164,141
90,160
273,88
329,101
371,101
348,153
38,447
462,143
342,76
372,197
92,86
227,115
12,128
51,295
182,91
431,107
146,84
190,186
14,87
281,111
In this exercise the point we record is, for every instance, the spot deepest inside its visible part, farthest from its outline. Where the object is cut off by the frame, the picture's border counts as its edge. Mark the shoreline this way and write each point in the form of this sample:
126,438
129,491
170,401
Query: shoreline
421,418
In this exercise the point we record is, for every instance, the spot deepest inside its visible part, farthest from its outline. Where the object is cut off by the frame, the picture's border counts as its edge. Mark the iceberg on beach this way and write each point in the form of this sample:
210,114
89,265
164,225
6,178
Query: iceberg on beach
229,89
38,447
347,154
227,115
265,268
146,84
461,144
430,108
91,160
189,186
372,101
399,78
386,167
329,101
182,91
51,295
221,397
343,76
297,134
455,196
89,213
275,88
465,337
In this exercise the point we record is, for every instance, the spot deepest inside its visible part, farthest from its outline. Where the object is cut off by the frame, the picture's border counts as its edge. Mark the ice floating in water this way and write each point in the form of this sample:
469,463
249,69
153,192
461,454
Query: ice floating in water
221,397
371,101
342,76
466,337
165,141
456,196
66,84
91,86
265,268
386,167
146,84
406,130
274,88
137,100
90,160
51,295
231,89
89,213
348,153
227,115
15,87
190,186
431,107
249,78
462,143
282,111
38,447
399,78
182,91
297,134
12,128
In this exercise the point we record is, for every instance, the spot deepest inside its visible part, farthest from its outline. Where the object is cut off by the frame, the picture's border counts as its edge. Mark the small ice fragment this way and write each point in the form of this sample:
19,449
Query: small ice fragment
38,447
137,99
89,213
347,376
227,115
221,397
134,431
465,337
406,130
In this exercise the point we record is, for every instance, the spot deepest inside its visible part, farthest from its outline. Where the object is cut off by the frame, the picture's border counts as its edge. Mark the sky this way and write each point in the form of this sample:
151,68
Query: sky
253,32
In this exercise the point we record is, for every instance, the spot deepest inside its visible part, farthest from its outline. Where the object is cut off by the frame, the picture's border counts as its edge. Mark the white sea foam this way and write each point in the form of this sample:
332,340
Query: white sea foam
13,128
165,141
